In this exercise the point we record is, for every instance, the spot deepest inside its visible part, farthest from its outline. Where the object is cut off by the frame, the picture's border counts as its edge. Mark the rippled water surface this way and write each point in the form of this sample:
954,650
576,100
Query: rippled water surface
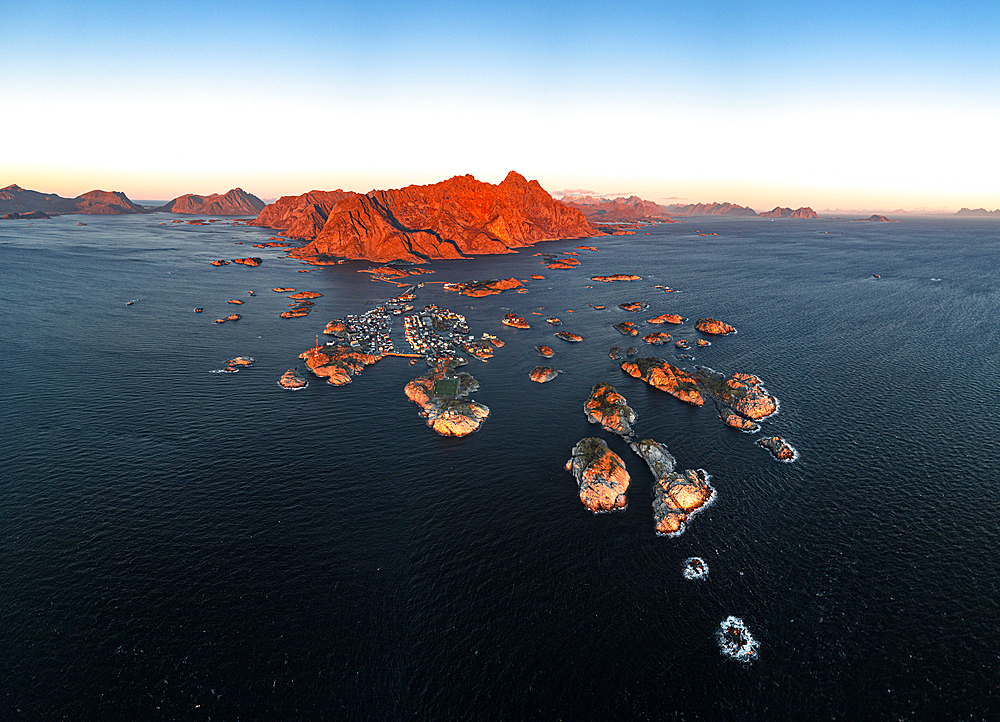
177,544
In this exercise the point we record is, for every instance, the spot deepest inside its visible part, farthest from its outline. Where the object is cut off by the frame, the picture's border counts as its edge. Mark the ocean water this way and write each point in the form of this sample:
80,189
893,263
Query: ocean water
177,544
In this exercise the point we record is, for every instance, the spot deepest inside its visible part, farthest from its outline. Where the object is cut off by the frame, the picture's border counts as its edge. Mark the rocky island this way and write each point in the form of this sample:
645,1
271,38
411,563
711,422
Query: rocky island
600,475
677,496
661,375
608,408
441,395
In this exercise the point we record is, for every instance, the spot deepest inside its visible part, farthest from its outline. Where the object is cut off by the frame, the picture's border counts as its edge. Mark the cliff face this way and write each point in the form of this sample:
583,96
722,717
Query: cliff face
451,219
236,202
300,217
711,209
14,199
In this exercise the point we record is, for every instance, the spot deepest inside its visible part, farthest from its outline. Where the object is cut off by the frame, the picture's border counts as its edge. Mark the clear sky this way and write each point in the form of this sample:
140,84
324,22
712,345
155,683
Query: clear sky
838,104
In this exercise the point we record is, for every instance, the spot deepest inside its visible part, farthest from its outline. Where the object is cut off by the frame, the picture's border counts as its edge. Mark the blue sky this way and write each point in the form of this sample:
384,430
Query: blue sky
882,104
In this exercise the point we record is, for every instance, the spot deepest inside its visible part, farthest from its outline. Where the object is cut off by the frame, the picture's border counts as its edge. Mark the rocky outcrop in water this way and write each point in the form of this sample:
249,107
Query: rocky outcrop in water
442,394
743,393
779,448
661,375
514,321
608,408
626,328
600,475
677,496
616,277
338,364
478,289
292,380
656,339
567,336
667,318
545,351
714,327
541,374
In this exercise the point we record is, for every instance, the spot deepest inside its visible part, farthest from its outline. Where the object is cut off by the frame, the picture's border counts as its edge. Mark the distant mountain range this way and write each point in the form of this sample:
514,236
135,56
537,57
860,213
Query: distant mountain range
236,202
978,213
634,208
14,199
610,210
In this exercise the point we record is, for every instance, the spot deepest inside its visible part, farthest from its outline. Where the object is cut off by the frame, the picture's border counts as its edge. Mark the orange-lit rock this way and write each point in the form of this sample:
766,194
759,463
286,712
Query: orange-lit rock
301,217
743,393
303,295
336,328
447,410
703,342
666,318
677,496
553,321
545,351
198,310
600,475
294,313
478,289
292,380
779,448
608,408
514,321
236,301
634,306
586,248
626,328
220,262
241,361
236,202
571,337
656,338
616,352
658,373
537,277
682,344
541,374
233,317
616,277
254,261
452,219
337,364
717,328
738,422
282,290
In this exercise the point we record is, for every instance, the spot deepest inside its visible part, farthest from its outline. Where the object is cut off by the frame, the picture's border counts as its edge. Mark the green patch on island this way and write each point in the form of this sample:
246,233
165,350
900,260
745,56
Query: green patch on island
446,387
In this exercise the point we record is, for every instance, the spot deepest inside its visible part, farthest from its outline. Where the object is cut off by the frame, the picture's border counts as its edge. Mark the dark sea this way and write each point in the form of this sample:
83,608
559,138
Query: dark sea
182,545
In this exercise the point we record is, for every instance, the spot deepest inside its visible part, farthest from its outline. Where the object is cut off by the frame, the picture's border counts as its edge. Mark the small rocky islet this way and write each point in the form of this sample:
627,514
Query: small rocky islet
607,407
441,395
677,496
543,374
600,475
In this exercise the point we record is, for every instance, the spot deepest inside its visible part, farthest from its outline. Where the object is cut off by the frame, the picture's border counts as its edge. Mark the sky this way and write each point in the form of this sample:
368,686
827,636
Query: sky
877,105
